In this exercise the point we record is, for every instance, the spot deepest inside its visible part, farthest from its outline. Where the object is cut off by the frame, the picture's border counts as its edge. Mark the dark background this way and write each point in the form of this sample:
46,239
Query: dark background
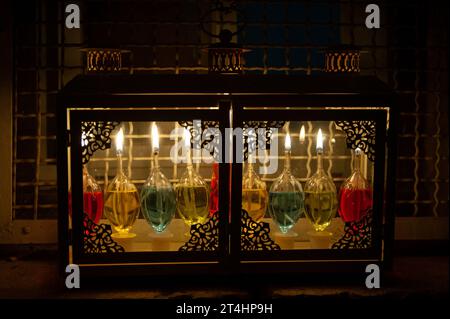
409,52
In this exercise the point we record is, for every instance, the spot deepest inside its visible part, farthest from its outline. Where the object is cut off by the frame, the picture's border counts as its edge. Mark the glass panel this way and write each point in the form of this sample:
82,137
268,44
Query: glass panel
310,188
150,187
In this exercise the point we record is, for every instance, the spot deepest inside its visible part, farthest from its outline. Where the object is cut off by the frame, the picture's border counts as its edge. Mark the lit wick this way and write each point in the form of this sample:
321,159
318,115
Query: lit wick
319,148
119,147
251,137
302,134
155,144
187,145
287,150
357,159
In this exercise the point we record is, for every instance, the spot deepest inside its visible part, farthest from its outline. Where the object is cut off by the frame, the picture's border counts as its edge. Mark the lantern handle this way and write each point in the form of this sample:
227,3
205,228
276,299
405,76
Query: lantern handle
225,35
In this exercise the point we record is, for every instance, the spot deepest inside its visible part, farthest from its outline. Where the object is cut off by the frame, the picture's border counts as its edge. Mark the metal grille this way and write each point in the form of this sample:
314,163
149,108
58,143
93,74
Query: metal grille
408,52
46,58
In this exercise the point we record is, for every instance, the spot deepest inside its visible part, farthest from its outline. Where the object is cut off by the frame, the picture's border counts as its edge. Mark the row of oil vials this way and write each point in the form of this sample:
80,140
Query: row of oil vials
194,200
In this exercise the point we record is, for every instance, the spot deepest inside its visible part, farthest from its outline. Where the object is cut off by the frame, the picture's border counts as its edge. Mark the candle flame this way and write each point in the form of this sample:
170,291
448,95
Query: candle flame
119,141
319,142
287,142
302,134
187,138
357,151
155,137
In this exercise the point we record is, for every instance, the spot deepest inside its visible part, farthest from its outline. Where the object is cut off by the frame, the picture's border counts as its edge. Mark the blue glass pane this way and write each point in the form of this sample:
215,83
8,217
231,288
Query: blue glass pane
296,35
320,35
276,57
254,58
254,35
252,11
297,57
317,58
296,12
319,32
319,13
275,12
275,35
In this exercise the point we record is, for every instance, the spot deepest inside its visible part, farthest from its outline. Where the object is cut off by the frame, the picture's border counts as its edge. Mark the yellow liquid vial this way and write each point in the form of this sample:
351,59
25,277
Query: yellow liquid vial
320,208
254,201
121,208
192,203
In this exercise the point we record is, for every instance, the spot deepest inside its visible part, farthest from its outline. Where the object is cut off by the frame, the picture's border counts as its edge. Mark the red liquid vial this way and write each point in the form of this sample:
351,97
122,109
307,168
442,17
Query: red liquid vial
214,194
92,198
93,205
355,196
354,204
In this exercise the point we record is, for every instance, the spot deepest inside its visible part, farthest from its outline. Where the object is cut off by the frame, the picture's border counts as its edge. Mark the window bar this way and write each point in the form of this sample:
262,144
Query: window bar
197,49
38,116
62,40
155,60
438,141
308,39
352,22
395,81
286,38
266,39
177,40
416,125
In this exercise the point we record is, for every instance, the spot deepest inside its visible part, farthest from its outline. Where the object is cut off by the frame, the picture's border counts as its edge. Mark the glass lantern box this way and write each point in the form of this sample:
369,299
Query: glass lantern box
226,174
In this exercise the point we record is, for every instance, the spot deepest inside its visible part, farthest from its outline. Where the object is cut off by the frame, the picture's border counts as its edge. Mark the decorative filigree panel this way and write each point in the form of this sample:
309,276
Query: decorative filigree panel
360,134
342,62
95,136
225,60
97,238
103,60
252,141
204,237
357,235
211,131
254,235
342,59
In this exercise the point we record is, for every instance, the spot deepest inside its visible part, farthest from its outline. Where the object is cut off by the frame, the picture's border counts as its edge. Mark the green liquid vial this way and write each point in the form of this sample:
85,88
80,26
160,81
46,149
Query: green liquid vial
158,205
285,208
286,198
